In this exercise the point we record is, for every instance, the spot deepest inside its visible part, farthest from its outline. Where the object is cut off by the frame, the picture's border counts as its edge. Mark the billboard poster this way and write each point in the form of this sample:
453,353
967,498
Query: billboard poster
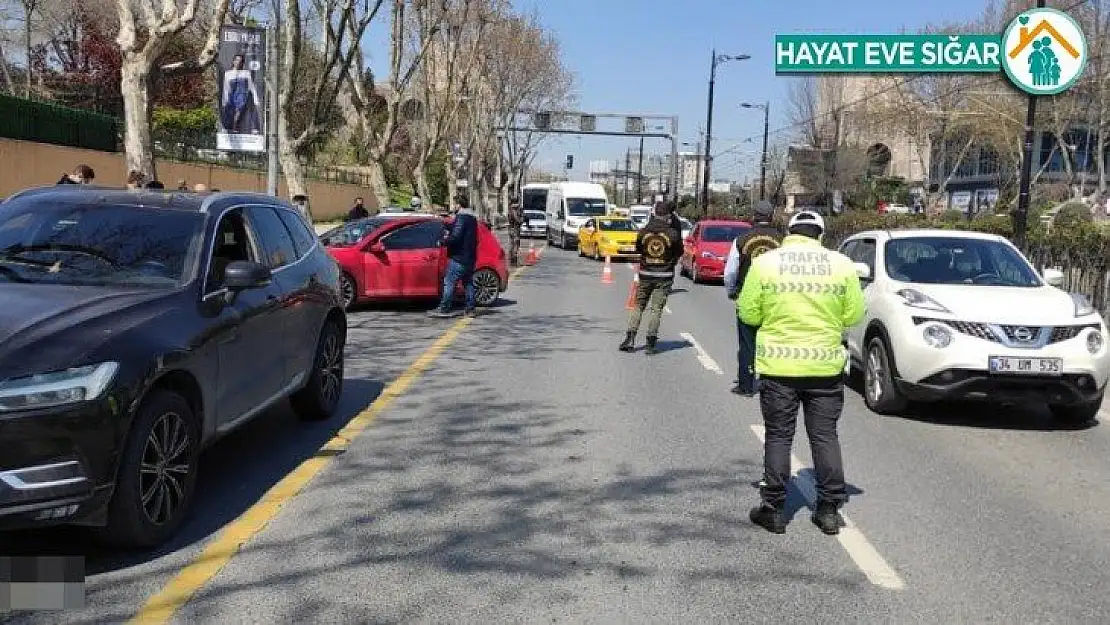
241,76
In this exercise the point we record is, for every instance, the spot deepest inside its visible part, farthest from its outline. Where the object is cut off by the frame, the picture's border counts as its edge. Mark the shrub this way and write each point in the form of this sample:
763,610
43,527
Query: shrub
1071,214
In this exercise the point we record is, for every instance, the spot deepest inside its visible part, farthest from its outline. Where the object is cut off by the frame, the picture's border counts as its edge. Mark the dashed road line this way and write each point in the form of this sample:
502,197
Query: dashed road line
853,541
703,356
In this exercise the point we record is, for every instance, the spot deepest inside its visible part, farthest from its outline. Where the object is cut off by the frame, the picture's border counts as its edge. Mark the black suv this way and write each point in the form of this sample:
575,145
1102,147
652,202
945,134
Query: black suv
137,328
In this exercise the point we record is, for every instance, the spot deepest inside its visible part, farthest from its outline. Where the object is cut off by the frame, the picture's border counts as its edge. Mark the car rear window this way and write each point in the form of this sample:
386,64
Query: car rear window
721,234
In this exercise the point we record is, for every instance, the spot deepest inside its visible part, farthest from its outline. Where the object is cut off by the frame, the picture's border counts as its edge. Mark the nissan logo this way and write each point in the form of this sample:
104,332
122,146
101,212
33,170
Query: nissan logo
1023,334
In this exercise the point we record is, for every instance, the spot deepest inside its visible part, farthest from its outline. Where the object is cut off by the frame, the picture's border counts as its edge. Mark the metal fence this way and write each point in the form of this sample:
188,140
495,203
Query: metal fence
42,122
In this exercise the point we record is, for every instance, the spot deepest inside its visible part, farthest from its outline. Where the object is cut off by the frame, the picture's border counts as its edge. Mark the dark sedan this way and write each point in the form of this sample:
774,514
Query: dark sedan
137,328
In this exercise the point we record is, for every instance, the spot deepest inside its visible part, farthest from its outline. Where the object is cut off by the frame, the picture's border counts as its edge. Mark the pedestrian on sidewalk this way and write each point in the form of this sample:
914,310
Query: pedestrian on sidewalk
659,244
82,174
516,221
461,241
762,237
358,211
802,297
135,180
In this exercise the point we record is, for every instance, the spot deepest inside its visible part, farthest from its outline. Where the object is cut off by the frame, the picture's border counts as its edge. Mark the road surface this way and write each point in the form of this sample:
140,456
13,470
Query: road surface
518,468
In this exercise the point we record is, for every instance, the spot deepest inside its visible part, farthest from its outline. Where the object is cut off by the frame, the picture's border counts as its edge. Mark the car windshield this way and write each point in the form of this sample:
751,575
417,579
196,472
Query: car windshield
586,206
349,234
535,199
535,215
92,244
951,260
616,225
721,234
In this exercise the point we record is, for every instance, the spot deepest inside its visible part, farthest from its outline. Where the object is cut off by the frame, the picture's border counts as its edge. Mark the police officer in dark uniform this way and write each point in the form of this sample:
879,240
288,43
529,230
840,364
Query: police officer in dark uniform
516,221
762,237
659,244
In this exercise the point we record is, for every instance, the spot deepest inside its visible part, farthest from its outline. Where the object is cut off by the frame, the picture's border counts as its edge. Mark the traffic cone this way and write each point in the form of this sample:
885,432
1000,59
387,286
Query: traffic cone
607,272
531,258
630,303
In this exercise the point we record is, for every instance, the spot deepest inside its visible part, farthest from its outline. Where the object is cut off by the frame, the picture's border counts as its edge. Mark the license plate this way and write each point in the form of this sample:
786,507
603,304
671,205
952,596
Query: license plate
1026,366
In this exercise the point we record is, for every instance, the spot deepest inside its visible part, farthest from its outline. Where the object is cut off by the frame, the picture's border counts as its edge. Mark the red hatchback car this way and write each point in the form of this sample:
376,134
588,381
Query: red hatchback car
706,249
391,258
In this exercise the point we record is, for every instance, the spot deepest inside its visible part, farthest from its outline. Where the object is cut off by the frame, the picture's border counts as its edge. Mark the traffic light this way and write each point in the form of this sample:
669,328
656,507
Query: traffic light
570,161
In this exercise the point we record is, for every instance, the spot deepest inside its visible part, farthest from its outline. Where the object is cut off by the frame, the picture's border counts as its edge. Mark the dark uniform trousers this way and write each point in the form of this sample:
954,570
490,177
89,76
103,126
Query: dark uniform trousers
514,242
821,400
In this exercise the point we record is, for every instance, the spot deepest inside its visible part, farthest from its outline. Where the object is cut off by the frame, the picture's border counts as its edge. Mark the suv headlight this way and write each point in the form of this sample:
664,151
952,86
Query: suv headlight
917,299
1083,305
1095,341
57,388
936,335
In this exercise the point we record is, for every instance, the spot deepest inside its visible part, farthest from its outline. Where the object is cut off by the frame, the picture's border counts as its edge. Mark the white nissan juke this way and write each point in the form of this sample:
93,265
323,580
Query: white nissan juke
964,316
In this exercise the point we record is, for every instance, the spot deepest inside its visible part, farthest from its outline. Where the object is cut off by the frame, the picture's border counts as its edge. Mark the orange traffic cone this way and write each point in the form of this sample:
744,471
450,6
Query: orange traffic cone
630,303
531,258
607,272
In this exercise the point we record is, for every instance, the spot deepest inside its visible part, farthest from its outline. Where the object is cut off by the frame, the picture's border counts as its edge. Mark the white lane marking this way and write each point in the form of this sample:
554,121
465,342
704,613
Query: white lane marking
703,357
865,556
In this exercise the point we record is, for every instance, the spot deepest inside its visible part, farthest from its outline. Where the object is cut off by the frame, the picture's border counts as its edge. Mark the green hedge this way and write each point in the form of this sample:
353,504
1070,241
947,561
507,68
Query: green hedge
27,120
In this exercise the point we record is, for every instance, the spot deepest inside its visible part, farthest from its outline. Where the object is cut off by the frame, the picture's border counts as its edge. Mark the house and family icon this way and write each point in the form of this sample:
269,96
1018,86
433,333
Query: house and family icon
1046,51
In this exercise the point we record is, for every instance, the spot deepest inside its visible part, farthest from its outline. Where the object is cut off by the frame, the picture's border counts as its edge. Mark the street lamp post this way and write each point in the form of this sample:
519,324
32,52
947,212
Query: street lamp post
716,60
763,161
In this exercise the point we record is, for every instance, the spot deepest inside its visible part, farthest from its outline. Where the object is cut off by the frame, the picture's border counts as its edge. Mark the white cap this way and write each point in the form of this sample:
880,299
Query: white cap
806,217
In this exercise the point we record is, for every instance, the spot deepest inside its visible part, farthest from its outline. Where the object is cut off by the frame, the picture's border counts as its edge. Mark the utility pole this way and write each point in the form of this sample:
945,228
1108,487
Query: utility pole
714,61
1021,215
273,66
627,169
763,160
640,174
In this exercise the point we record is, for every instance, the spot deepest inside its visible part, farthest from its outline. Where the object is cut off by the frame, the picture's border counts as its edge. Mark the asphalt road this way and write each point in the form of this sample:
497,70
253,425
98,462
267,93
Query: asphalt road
526,471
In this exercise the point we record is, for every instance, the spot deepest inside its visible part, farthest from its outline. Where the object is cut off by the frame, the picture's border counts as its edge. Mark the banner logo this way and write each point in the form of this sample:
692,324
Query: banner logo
1045,51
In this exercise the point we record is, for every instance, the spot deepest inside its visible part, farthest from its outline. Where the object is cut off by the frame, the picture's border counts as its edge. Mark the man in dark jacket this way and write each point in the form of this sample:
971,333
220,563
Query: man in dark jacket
659,244
462,253
358,211
763,236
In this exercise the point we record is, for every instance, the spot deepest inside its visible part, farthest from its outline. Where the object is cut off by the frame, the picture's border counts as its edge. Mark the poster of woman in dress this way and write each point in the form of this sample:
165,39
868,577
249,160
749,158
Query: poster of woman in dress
241,79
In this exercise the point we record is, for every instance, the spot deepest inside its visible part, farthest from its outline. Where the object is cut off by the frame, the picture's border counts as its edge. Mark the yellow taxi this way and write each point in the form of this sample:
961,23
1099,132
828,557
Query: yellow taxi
611,235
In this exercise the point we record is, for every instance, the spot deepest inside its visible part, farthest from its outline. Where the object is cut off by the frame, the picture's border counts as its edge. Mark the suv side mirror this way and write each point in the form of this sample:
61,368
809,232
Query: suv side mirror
1054,277
244,274
377,247
863,271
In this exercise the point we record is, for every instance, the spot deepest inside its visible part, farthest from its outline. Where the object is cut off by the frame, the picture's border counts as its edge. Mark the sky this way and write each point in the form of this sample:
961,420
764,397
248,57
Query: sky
653,57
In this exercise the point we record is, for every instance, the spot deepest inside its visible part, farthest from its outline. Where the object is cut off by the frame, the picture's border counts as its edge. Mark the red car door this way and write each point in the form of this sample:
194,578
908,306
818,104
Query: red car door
410,258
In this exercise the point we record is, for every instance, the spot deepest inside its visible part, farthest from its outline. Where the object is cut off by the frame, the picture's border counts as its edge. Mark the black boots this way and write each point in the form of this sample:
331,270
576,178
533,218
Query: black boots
827,519
629,343
651,349
771,519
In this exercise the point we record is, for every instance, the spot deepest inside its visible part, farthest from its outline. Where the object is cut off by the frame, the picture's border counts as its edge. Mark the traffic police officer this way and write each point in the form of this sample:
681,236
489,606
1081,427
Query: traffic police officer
801,296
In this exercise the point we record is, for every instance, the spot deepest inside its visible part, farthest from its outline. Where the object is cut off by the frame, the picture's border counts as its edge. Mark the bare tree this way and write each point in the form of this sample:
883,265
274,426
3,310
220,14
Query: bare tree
444,78
376,116
145,29
342,25
519,67
30,12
